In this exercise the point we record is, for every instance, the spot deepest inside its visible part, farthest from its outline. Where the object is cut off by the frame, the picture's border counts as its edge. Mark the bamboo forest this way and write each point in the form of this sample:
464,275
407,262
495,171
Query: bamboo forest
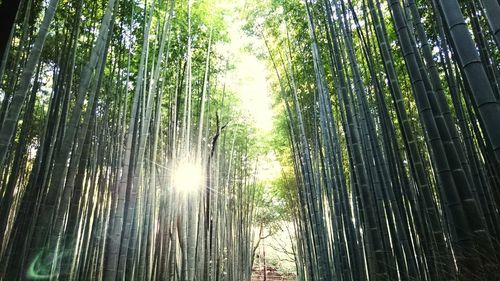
248,140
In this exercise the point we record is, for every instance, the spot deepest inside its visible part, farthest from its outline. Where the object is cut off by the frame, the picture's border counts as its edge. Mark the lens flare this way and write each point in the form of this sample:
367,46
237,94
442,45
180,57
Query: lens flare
40,267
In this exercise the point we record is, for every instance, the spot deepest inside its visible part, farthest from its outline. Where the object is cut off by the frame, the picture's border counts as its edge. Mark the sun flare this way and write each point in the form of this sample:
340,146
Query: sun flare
188,177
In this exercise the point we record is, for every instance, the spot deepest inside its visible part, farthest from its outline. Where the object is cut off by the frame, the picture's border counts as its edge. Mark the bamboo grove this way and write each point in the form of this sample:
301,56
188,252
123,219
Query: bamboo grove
391,110
121,156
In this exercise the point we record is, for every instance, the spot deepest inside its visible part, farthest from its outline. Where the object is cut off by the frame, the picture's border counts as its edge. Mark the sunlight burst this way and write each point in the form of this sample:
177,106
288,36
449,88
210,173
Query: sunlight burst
188,177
